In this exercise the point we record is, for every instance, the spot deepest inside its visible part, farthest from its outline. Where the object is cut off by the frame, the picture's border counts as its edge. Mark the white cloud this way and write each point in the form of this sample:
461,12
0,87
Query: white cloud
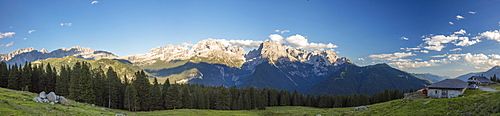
459,70
456,49
409,49
459,17
461,32
436,42
424,51
65,24
94,2
31,31
435,48
277,38
465,41
471,12
416,64
362,59
6,34
492,35
281,31
451,23
7,45
300,41
241,43
390,57
404,38
440,56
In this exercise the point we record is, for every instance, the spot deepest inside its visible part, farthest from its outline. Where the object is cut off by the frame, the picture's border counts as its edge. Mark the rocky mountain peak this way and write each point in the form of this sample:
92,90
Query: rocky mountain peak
8,56
210,49
275,51
44,51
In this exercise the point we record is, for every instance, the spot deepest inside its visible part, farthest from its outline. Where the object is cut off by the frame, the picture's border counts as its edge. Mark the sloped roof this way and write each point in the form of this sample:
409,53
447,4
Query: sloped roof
483,79
450,83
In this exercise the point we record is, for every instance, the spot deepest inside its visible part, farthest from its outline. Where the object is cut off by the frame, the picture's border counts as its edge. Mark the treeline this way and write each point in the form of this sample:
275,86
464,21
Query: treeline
104,88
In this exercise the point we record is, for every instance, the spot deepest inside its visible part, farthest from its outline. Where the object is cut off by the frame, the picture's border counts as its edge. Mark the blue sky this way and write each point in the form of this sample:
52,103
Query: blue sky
367,32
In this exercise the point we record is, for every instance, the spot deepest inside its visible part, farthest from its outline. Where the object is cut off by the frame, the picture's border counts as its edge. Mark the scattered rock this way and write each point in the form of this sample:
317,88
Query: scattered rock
45,100
43,95
38,99
51,96
360,108
63,101
93,105
51,103
318,115
426,102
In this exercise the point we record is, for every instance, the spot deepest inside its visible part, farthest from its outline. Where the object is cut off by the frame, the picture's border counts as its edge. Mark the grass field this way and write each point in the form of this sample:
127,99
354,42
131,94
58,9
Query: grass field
474,102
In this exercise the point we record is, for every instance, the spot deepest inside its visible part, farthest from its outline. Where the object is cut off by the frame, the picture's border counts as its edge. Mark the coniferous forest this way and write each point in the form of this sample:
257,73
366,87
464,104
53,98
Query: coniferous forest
83,83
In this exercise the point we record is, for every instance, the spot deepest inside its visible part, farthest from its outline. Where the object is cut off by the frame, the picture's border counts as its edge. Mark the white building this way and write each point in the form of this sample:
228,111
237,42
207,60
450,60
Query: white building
447,88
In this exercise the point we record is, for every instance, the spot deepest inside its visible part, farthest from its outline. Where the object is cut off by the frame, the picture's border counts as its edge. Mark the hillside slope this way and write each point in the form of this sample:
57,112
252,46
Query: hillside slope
353,79
121,67
474,102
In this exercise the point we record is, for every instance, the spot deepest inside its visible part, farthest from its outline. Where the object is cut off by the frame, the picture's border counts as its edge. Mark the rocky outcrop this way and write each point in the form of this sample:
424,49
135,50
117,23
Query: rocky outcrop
50,98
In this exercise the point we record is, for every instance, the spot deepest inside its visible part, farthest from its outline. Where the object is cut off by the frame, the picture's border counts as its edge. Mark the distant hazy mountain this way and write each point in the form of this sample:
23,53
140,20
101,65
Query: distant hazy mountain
430,77
353,79
494,70
30,54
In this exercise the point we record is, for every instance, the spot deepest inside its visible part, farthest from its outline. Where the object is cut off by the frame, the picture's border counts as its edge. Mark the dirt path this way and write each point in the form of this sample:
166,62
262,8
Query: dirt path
487,89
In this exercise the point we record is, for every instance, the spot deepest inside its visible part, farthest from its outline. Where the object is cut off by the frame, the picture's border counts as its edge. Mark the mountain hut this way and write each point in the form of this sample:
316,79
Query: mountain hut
447,88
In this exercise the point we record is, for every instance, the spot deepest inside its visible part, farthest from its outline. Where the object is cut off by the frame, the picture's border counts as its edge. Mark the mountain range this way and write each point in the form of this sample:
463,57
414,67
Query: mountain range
493,71
210,62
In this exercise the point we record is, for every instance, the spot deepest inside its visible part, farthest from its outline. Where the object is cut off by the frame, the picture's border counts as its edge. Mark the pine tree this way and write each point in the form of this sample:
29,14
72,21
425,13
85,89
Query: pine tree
87,93
131,99
274,97
164,93
156,95
98,80
112,85
25,77
13,78
285,98
223,99
173,101
74,88
4,75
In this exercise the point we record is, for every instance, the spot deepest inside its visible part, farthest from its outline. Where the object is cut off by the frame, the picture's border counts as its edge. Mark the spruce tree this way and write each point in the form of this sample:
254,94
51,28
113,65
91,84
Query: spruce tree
155,92
86,91
113,83
25,77
13,78
223,99
172,101
4,75
74,88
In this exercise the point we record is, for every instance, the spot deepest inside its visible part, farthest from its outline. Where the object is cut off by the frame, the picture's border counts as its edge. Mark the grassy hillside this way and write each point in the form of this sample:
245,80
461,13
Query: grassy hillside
474,102
13,103
122,68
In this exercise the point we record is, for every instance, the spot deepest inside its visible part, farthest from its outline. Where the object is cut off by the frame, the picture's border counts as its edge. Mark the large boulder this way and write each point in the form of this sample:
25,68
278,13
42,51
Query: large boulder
38,99
63,101
43,95
51,96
